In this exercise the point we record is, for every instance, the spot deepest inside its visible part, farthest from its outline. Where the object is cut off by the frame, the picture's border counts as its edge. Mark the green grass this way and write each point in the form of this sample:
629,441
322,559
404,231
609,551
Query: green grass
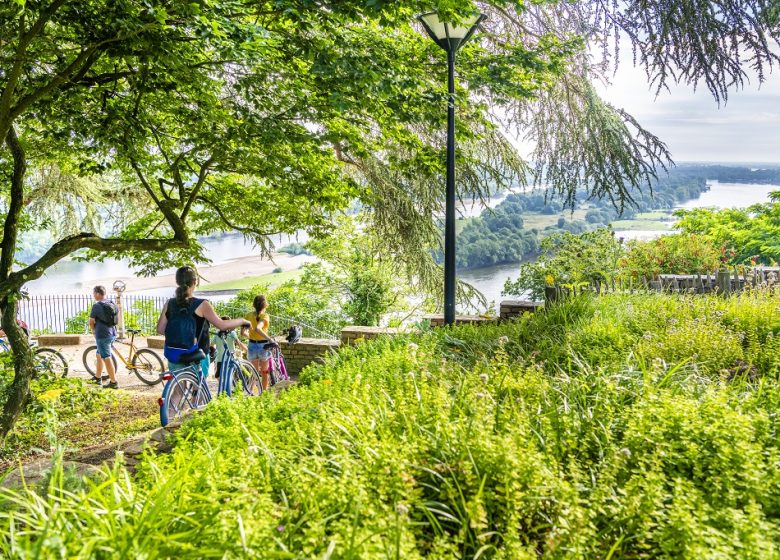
78,417
640,225
628,426
539,221
272,279
659,215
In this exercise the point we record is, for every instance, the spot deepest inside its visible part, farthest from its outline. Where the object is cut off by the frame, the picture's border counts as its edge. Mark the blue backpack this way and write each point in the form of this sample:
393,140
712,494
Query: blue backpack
181,336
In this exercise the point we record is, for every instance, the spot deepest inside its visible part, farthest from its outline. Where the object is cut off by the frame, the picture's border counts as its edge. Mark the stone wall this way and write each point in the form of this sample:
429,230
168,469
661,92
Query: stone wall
352,334
512,308
305,351
64,340
438,320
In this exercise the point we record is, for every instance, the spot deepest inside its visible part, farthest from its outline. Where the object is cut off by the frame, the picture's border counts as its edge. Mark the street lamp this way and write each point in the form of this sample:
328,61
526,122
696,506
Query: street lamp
450,37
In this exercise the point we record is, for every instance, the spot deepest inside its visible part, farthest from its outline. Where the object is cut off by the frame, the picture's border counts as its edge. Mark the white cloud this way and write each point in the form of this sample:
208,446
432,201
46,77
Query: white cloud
746,128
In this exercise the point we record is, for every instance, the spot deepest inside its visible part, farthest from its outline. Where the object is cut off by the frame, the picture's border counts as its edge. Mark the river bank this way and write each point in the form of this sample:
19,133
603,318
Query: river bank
219,275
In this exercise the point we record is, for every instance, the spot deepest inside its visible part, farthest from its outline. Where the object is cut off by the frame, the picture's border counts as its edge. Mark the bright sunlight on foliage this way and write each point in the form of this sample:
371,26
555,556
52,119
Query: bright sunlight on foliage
621,426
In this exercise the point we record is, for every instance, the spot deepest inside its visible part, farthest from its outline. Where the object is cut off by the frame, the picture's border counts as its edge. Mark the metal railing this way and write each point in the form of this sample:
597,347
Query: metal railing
724,281
70,313
46,314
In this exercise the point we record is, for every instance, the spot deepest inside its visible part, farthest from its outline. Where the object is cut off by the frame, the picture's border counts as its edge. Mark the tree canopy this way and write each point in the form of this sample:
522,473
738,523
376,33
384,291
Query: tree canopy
264,116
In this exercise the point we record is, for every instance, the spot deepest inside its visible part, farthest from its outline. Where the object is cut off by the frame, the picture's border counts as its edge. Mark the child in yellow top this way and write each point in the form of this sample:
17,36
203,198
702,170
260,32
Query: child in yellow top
259,353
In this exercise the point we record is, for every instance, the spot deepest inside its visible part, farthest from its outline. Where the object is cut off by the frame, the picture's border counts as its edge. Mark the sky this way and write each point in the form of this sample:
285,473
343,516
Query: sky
746,129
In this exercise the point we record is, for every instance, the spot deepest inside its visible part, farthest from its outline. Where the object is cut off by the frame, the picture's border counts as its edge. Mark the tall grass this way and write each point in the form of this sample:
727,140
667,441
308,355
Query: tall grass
621,427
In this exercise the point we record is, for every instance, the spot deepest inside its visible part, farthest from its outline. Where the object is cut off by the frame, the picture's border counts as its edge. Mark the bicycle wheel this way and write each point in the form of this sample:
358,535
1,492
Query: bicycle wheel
50,361
148,366
253,384
89,358
181,394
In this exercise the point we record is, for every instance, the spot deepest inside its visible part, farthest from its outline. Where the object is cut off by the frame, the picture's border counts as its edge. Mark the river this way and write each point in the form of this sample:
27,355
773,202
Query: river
74,277
490,280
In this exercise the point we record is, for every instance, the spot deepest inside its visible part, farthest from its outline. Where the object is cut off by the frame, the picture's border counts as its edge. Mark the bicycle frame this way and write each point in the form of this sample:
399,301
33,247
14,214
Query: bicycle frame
131,353
226,368
276,365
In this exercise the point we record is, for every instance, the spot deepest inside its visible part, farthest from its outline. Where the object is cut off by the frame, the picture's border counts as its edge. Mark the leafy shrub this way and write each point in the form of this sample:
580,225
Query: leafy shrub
748,236
567,259
525,440
54,402
671,254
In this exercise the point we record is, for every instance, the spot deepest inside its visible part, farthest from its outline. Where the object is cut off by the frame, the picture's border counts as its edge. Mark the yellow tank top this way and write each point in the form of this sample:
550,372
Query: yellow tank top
265,324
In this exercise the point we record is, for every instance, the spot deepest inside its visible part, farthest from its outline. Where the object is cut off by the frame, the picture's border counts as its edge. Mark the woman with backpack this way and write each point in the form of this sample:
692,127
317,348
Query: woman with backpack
185,319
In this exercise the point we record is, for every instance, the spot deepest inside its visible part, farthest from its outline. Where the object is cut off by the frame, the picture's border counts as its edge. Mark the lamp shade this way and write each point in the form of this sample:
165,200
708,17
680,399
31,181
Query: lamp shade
447,35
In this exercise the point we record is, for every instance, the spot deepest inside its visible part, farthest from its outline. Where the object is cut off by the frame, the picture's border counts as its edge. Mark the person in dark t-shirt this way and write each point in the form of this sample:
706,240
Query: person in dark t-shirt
104,338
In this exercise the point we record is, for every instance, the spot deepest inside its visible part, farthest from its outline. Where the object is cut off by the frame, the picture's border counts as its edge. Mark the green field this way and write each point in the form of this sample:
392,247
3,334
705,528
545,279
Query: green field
541,221
657,215
272,279
640,225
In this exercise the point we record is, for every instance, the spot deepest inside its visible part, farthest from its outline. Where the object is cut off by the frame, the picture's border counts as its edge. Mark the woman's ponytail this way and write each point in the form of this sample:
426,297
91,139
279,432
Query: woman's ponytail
259,304
186,277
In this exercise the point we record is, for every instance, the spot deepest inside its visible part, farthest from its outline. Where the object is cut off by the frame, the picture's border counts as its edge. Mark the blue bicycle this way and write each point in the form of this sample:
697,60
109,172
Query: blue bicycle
186,389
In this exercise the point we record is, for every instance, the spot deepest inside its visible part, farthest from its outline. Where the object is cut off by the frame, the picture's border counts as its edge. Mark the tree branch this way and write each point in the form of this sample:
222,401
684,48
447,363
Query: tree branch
68,245
243,229
204,169
16,69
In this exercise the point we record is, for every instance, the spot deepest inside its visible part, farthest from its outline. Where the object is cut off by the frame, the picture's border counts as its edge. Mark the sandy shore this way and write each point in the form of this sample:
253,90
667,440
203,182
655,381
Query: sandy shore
234,269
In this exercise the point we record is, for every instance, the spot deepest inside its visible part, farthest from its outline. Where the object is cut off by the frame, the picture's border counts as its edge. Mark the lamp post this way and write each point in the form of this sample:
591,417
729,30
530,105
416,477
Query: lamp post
450,37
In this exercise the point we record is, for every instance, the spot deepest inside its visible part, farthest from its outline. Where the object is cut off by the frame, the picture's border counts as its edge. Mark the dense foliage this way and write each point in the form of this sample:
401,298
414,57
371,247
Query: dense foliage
620,427
499,236
671,254
596,258
748,236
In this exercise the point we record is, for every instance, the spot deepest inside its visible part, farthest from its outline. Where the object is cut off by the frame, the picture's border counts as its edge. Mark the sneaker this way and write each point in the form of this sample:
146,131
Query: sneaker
111,385
95,381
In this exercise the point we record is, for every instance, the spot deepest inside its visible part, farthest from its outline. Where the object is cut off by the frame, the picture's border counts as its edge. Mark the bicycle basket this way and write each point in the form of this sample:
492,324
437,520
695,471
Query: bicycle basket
294,334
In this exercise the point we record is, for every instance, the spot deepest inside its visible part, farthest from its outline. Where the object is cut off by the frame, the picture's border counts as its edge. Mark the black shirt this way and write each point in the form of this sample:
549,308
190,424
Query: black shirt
201,324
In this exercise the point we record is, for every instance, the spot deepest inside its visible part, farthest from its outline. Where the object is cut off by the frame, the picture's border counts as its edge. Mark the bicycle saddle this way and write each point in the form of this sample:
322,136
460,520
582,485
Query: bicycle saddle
192,357
134,331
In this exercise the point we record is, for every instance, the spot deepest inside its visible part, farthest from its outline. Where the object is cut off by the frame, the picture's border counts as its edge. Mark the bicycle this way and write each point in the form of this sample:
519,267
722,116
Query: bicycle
233,370
277,369
47,360
186,388
145,363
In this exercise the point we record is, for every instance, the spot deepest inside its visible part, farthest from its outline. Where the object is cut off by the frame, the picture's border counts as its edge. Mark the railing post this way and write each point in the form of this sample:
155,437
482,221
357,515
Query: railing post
550,294
724,281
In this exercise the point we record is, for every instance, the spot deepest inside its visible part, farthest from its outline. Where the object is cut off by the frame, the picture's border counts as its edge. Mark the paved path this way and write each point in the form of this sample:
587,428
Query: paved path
126,379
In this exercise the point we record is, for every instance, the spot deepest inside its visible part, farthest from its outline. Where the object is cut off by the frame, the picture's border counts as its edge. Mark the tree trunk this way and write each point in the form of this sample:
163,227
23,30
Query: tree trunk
18,393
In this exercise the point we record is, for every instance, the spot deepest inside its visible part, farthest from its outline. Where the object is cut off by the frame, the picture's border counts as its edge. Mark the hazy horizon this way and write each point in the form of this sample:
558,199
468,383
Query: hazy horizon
746,130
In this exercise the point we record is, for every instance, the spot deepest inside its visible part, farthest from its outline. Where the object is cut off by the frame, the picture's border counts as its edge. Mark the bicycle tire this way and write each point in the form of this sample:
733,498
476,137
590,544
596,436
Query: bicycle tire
253,383
51,360
148,366
272,377
89,359
181,394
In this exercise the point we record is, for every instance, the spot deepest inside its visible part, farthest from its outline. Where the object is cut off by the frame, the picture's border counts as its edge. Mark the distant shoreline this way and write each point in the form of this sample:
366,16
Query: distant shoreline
234,269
